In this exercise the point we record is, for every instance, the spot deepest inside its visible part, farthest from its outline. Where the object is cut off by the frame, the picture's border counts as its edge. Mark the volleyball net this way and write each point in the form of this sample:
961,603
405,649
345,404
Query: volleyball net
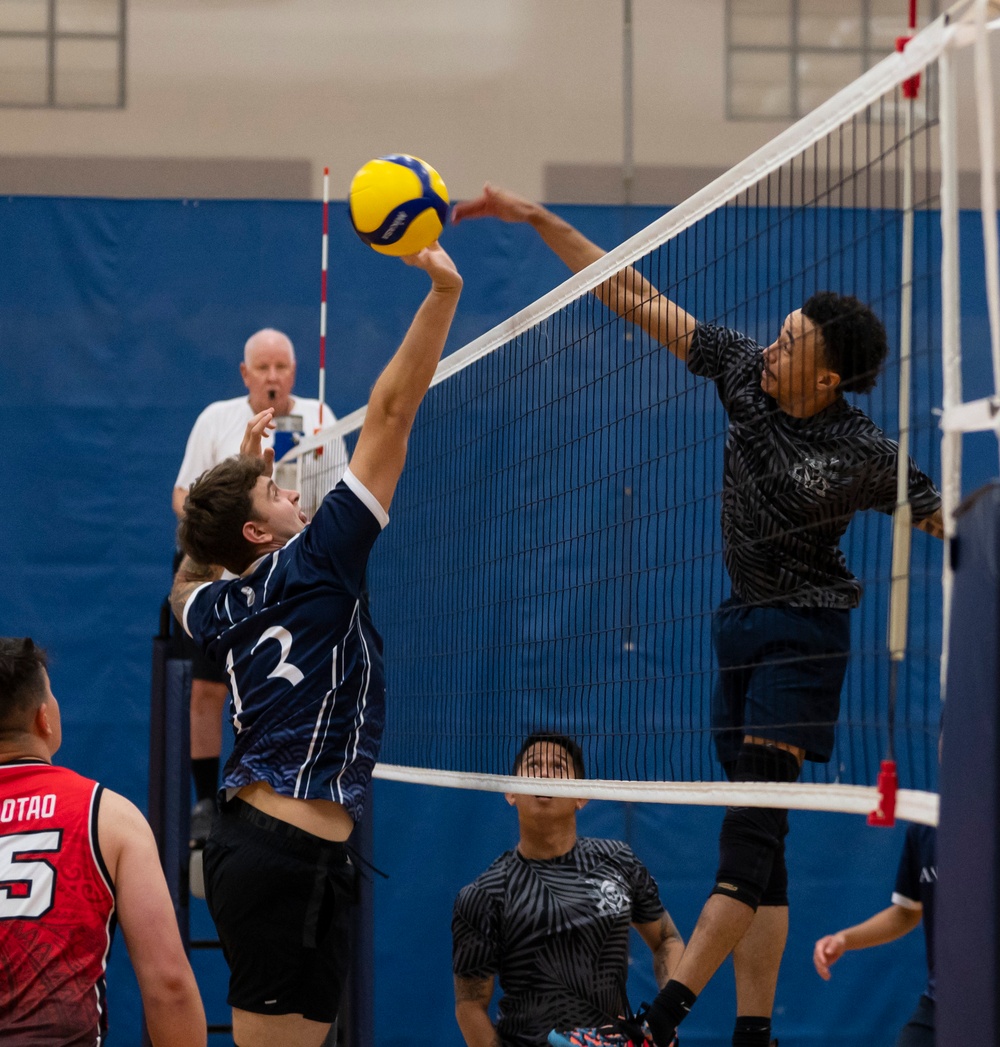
555,556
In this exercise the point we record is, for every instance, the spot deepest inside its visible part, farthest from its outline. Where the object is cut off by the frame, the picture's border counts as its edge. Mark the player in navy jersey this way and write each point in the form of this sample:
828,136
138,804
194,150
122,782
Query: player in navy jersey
912,902
551,918
74,859
800,461
304,663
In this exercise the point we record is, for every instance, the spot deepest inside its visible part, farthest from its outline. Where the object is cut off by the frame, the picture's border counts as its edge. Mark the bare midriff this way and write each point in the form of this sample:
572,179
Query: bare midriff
323,818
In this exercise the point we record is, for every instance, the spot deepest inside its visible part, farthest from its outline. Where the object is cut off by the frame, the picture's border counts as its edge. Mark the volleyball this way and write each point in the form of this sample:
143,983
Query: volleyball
398,204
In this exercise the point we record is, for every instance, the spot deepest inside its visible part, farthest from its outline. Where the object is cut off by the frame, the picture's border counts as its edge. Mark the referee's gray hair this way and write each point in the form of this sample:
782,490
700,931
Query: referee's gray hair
267,334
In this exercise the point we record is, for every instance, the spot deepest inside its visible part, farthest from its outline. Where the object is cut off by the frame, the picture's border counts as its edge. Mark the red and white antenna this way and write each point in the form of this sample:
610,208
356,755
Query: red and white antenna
322,292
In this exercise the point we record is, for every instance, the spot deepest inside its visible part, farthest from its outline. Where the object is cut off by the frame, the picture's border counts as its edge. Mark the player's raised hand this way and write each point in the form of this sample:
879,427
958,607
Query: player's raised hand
257,428
827,952
437,263
495,203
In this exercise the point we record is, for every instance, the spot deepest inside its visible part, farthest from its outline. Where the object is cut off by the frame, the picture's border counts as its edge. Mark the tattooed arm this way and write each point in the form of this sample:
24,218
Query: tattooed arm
472,1001
666,945
189,576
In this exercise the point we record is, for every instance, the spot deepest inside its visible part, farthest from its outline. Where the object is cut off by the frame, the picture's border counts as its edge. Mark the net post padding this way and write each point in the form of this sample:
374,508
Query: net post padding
911,804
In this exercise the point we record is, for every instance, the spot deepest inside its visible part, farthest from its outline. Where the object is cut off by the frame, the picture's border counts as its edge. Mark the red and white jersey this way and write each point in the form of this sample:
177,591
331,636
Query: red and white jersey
57,909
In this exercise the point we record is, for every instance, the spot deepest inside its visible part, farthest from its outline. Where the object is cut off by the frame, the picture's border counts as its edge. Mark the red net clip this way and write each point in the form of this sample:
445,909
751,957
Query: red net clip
884,814
911,87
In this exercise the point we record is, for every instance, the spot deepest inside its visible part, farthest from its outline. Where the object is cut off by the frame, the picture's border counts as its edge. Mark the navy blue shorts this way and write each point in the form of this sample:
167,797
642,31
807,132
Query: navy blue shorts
281,900
780,674
919,1030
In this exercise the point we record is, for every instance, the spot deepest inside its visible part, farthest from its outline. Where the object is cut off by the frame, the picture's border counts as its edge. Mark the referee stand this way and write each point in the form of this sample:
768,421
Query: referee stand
170,820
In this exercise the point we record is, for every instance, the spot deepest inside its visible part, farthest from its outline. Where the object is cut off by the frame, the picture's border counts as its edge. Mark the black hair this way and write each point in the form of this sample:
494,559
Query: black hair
563,741
854,338
22,680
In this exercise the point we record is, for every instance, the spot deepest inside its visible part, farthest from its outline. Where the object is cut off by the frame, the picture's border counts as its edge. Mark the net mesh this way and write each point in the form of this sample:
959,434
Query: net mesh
555,555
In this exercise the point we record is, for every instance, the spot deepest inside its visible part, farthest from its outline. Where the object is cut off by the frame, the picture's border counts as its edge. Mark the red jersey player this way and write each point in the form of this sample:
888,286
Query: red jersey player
74,858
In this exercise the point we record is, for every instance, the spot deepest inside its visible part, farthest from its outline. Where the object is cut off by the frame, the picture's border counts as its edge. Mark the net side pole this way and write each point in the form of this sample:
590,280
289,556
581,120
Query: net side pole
951,441
902,517
988,183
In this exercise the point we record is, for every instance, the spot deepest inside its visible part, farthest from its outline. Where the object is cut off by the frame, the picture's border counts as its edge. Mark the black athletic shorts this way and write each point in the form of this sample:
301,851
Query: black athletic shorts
281,900
780,674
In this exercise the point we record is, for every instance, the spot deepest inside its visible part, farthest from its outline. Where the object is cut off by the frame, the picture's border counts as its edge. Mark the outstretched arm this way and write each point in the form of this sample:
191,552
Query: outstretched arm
174,1013
381,451
627,293
885,926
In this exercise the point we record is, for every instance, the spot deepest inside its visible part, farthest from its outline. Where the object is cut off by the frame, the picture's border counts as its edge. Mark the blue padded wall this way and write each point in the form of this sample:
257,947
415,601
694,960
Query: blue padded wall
119,321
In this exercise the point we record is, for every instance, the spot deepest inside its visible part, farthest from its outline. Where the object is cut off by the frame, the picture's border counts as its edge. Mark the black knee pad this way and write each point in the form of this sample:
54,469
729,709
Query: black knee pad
765,763
752,842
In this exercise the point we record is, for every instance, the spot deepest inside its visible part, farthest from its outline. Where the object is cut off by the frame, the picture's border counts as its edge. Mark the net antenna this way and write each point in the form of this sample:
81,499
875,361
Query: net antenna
322,292
555,556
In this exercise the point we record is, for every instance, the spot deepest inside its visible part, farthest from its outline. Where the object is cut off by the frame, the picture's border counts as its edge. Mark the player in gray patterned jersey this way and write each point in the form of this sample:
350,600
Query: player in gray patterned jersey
800,461
550,919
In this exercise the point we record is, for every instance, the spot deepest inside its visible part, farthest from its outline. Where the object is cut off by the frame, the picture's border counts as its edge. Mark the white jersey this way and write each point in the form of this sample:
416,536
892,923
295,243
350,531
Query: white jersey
218,433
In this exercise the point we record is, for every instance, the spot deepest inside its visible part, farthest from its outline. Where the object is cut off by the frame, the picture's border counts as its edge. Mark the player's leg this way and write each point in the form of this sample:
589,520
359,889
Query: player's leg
751,844
756,961
794,696
208,699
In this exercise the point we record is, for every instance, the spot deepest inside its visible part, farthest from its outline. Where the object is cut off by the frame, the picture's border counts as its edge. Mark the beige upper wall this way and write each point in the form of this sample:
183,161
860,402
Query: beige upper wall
495,89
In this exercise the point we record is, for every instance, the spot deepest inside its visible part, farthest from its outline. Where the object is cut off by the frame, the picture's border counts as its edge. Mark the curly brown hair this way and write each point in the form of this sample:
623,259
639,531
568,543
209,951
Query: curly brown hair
217,506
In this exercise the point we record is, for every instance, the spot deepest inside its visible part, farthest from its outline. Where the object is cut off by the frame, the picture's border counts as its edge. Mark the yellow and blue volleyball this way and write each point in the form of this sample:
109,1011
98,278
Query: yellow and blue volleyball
398,204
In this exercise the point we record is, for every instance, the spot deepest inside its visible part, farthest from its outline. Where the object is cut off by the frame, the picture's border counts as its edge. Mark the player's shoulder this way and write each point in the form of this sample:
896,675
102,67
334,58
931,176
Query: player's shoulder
493,879
49,774
719,336
593,852
600,845
922,838
852,421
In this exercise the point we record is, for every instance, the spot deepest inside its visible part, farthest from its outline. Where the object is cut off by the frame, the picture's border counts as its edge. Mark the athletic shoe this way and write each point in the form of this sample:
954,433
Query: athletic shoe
625,1032
603,1037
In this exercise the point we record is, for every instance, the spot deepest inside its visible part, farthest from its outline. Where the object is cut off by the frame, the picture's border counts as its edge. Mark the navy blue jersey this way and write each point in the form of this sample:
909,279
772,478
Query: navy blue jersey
303,657
555,934
915,882
791,485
